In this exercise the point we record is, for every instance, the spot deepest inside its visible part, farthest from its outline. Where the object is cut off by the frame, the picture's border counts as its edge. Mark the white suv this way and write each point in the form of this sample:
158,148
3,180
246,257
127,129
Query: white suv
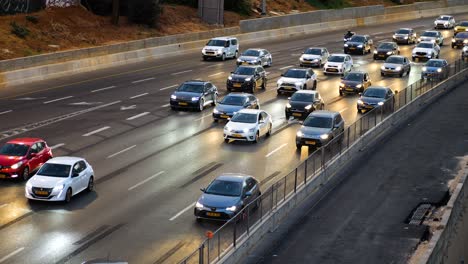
338,64
221,48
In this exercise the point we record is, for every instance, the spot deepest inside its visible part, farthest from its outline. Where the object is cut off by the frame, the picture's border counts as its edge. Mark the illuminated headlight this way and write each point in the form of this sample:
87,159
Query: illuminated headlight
394,36
316,60
465,49
433,40
346,45
380,103
239,60
389,53
248,79
406,37
375,51
230,78
299,134
16,165
246,130
301,59
358,86
173,97
198,205
359,46
215,111
419,39
453,40
324,136
398,68
288,105
424,69
232,208
58,188
308,107
382,67
279,83
360,102
342,85
219,51
340,66
439,70
195,98
435,22
28,186
465,41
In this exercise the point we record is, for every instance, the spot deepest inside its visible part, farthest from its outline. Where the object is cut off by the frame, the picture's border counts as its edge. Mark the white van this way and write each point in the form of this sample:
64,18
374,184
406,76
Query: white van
221,48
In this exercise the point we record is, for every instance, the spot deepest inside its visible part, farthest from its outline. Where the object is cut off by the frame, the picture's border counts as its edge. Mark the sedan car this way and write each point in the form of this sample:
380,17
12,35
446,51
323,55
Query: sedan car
396,65
435,68
373,97
444,22
248,125
296,79
460,40
432,36
194,94
314,56
359,44
405,35
247,79
232,103
426,50
464,53
338,64
319,128
386,49
226,196
59,179
354,82
22,156
302,103
255,57
462,27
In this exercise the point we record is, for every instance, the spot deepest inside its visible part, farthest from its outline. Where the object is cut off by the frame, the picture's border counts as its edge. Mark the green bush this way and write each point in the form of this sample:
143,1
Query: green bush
18,30
328,4
32,19
145,12
243,7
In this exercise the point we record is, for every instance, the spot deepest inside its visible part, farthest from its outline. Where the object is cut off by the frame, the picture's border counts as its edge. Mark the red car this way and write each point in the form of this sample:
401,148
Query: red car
22,156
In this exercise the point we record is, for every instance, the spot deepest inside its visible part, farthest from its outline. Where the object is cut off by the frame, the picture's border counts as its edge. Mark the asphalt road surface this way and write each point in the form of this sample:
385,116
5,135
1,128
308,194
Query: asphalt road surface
149,161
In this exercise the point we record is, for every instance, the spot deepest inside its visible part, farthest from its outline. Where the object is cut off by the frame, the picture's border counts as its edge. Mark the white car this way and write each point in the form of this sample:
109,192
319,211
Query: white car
432,36
221,48
426,50
59,179
296,79
338,64
248,125
314,56
444,21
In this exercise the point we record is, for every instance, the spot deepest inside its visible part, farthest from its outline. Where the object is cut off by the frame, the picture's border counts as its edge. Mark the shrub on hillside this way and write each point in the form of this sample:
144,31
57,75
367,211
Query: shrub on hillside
191,3
32,19
18,30
243,7
145,12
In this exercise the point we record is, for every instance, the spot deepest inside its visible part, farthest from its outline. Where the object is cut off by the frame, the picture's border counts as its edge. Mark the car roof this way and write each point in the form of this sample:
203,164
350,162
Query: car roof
250,111
324,113
25,141
233,177
239,94
64,160
306,92
441,60
378,87
224,38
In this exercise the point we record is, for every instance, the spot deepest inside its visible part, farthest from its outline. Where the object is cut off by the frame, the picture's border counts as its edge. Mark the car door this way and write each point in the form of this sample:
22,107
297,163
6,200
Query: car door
232,47
33,156
209,92
76,180
253,102
41,154
252,187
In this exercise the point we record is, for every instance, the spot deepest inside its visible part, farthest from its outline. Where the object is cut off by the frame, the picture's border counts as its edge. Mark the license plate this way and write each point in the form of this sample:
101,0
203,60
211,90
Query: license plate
349,89
245,63
369,107
352,48
381,56
224,116
237,85
183,103
213,214
310,142
237,135
42,193
288,88
2,176
297,114
332,70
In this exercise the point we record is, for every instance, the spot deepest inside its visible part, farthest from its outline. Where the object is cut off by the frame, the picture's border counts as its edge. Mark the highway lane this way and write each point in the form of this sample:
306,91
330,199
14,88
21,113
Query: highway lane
156,139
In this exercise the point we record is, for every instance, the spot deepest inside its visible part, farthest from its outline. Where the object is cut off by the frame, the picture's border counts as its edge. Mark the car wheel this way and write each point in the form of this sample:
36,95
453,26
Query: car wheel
453,46
257,137
223,57
215,99
68,195
198,219
298,146
215,120
278,92
437,56
304,87
341,93
269,63
226,140
359,111
269,132
173,108
382,74
90,184
25,173
287,117
363,51
201,105
236,54
254,87
257,107
324,73
401,73
315,86
205,58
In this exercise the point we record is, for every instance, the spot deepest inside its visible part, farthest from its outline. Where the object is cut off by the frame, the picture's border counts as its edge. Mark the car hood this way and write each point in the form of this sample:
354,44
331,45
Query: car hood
383,50
392,65
350,83
401,35
248,58
310,56
431,69
7,161
354,43
427,50
240,126
371,100
335,63
240,78
314,131
186,95
229,109
212,200
212,48
46,181
299,104
441,21
291,80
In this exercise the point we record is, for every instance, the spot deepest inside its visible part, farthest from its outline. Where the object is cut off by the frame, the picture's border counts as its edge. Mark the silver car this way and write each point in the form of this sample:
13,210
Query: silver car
319,128
432,36
314,56
444,21
255,57
396,65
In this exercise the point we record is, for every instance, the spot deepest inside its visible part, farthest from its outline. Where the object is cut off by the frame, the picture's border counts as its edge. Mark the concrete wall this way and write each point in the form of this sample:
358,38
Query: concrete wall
211,11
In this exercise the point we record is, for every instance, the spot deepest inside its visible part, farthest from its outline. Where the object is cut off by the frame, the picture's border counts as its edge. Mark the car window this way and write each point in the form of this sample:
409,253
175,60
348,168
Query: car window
82,165
225,188
34,148
39,146
252,98
264,115
260,118
250,183
234,42
11,149
338,119
76,168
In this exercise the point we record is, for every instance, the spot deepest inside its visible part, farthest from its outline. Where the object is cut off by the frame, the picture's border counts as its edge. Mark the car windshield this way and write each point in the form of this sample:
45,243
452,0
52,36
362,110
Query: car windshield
224,188
352,76
385,46
425,45
402,31
303,97
336,59
216,43
191,88
429,34
433,63
253,53
318,121
313,51
244,71
464,24
14,149
233,100
357,39
377,93
293,73
444,18
396,60
244,118
54,170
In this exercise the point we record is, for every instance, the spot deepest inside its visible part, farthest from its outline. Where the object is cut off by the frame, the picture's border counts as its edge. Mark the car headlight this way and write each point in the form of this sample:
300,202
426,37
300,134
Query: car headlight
435,22
346,45
360,102
324,136
230,78
198,205
195,98
288,105
17,165
301,59
382,67
58,188
232,208
433,40
219,51
248,79
316,60
375,51
439,70
339,66
308,107
299,134
419,39
424,69
342,85
389,52
380,103
359,86
215,111
398,68
406,37
239,60
465,41
279,82
173,97
28,185
359,46
394,36
453,40
226,128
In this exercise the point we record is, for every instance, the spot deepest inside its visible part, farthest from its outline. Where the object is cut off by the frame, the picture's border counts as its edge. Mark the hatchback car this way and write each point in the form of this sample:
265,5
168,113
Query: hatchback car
255,57
226,196
248,125
338,64
194,94
396,65
221,48
302,103
432,36
460,40
361,44
296,79
461,27
386,49
59,179
435,68
314,56
319,128
22,156
354,82
426,50
444,22
232,103
405,35
247,79
373,97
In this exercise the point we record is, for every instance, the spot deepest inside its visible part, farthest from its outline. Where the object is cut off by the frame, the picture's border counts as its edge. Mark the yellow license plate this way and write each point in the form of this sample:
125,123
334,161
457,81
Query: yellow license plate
213,214
237,135
182,103
381,56
42,193
332,70
288,88
369,107
245,63
349,89
237,85
297,114
224,116
2,176
310,142
352,48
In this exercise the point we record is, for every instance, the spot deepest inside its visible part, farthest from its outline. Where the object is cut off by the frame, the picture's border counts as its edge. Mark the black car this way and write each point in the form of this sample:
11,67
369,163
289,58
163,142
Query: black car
375,96
302,103
354,82
194,94
460,40
233,103
385,50
405,35
247,79
361,44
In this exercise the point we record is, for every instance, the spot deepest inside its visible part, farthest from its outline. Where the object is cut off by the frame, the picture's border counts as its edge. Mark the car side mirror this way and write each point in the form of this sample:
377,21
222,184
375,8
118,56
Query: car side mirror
75,174
202,189
248,194
282,75
232,72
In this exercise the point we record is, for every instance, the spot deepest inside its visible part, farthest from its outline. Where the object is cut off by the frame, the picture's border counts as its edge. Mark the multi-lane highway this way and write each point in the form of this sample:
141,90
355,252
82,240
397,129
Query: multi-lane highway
150,161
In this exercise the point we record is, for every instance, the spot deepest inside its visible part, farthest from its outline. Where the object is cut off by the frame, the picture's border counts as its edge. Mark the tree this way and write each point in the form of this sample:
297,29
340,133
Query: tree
145,12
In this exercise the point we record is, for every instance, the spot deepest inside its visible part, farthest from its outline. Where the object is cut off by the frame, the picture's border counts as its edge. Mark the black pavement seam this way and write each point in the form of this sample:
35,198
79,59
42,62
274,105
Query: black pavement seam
91,235
169,253
16,220
202,174
271,176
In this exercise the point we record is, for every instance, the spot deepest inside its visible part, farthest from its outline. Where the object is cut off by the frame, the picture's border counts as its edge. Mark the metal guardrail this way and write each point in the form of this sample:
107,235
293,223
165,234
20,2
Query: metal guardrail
228,235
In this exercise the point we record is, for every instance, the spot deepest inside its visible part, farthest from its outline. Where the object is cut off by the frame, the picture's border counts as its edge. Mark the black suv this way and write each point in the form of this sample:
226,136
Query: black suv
247,79
385,50
194,94
302,103
359,44
354,82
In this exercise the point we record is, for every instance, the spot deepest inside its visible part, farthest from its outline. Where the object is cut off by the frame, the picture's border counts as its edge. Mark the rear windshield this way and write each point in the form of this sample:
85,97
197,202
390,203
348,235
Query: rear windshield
464,24
14,150
463,35
317,121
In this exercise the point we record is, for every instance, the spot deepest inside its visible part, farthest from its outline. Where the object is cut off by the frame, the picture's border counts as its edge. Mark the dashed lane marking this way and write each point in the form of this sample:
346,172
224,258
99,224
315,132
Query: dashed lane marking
96,131
103,89
144,80
145,181
120,152
59,99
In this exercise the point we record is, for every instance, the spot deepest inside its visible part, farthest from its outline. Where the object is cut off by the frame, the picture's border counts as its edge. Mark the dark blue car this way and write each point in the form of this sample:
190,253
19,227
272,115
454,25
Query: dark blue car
194,95
232,103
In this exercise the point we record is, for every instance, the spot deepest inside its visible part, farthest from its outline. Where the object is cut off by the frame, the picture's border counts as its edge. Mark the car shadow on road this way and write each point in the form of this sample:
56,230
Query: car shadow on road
79,201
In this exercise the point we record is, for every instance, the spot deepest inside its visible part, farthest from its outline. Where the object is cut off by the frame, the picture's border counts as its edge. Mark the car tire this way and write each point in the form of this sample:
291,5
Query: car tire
325,73
304,87
264,84
315,86
269,63
215,99
254,87
215,120
257,138
236,54
90,187
223,57
287,117
173,108
382,74
25,173
68,195
201,105
341,93
453,46
401,73
359,111
269,131
364,51
226,140
205,58
298,146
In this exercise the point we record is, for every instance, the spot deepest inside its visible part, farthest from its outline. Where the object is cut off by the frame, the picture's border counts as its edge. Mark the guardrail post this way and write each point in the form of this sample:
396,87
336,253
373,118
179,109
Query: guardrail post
295,180
201,251
284,189
248,220
234,233
305,170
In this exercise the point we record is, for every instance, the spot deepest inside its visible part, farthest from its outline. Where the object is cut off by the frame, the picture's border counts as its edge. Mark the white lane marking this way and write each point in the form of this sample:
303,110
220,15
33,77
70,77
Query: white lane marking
214,65
145,181
177,73
29,98
139,95
120,152
296,54
144,80
59,99
181,212
218,73
168,87
96,131
137,116
57,146
6,112
103,89
344,109
275,150
11,254
198,119
286,67
3,205
166,105
85,103
130,107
